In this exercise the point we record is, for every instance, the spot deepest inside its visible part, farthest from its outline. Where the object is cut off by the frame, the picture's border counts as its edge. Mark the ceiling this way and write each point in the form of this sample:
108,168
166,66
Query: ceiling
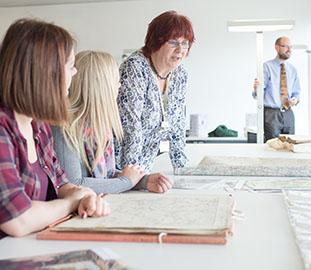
21,3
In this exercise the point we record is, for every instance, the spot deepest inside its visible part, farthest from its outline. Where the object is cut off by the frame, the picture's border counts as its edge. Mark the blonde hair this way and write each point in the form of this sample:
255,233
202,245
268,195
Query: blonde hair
93,115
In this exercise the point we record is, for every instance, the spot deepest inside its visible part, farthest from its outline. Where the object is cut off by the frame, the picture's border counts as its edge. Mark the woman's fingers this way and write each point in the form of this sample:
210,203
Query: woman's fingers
93,206
106,208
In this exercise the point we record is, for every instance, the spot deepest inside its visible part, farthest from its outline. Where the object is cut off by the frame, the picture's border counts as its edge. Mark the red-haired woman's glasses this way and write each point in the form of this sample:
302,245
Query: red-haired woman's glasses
175,44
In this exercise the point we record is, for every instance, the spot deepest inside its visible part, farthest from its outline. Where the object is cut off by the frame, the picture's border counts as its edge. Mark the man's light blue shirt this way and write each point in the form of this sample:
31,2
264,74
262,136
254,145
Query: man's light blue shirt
271,88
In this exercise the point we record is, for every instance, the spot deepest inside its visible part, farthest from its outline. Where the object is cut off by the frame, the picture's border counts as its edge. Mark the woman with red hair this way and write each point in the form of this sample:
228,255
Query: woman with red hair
151,98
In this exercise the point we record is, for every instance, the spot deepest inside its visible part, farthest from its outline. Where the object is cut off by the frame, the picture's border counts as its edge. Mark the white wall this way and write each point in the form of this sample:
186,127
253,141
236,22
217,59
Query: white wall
221,65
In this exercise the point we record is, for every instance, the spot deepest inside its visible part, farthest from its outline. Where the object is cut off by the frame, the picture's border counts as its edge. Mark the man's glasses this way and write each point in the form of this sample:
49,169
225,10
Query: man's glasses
175,44
285,46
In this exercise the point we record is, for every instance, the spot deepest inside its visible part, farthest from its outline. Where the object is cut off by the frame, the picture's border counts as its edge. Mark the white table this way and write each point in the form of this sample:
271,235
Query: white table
263,240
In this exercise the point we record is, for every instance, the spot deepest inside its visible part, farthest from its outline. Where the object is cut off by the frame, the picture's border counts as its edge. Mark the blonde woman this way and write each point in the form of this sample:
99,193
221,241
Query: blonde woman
84,145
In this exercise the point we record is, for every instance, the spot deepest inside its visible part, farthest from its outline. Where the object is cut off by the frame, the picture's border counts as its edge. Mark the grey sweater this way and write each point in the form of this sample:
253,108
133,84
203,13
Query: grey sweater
78,173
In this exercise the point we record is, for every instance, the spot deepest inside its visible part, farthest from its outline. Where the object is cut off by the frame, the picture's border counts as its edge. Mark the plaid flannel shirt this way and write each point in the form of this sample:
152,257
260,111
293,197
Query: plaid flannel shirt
18,183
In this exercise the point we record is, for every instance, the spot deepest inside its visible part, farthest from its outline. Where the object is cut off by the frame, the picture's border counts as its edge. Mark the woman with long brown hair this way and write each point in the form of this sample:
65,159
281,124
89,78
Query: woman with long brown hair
36,67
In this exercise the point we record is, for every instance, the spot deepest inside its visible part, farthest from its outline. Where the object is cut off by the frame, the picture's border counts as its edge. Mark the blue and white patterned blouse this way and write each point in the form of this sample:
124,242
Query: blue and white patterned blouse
141,115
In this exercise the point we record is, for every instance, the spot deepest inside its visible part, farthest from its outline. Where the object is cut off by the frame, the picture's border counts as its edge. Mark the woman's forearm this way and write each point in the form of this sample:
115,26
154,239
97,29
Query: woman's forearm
37,217
112,185
42,213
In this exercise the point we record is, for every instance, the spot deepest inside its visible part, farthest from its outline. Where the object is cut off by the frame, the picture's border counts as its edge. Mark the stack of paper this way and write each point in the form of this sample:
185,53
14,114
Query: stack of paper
180,218
275,185
299,212
249,166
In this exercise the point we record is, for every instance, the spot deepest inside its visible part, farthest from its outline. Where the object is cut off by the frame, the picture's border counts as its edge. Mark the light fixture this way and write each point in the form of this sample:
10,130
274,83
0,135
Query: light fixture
260,26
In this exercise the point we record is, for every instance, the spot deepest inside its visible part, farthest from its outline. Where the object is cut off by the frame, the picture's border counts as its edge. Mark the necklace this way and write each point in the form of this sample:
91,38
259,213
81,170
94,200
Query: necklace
155,71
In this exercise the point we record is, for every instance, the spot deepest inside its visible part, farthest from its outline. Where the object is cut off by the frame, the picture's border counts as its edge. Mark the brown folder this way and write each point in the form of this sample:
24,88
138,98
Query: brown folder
133,237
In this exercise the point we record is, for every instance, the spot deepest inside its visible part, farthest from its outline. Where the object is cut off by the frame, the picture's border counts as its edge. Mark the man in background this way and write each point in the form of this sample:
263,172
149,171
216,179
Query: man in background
281,90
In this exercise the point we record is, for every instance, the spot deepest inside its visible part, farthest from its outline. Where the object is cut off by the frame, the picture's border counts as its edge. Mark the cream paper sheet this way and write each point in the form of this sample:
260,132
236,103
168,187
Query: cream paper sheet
249,166
253,161
271,184
298,205
154,213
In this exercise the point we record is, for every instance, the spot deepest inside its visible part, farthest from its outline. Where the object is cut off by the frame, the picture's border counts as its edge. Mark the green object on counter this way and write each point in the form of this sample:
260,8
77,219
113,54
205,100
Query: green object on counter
223,131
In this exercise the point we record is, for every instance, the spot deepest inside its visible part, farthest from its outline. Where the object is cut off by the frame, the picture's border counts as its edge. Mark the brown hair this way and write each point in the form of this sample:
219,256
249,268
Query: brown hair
278,41
166,26
33,55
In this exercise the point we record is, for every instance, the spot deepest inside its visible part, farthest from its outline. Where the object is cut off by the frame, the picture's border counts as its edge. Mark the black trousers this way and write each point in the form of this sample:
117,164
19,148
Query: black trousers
278,121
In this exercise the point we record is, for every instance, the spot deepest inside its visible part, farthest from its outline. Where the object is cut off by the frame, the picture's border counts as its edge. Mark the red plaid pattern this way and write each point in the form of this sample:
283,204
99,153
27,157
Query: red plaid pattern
18,183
